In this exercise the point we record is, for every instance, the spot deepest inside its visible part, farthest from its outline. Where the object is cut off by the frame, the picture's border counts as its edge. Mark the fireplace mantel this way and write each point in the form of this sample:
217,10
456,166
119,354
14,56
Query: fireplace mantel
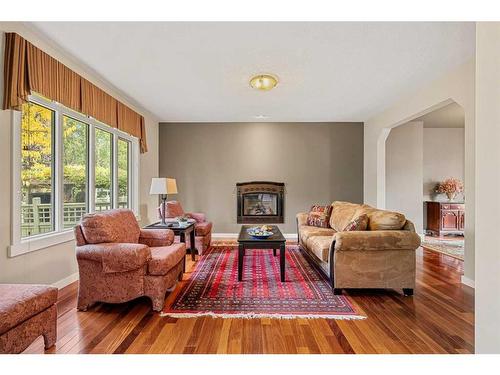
260,202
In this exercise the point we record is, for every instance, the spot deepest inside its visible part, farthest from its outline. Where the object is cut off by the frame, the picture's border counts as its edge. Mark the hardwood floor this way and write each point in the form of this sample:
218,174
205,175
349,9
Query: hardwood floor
439,318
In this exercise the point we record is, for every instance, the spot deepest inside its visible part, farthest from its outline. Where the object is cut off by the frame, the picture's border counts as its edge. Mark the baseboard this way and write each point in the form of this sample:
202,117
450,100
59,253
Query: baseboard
66,281
468,282
224,235
288,236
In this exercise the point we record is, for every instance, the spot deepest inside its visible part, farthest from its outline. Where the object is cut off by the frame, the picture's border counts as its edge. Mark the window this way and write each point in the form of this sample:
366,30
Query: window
75,170
123,173
66,164
37,165
103,170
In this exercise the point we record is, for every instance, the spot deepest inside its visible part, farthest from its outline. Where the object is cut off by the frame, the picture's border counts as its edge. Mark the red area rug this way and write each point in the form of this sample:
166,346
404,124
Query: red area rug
213,288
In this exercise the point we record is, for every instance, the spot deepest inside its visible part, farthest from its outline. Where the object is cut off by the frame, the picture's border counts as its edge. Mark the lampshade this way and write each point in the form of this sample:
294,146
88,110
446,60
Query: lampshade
162,185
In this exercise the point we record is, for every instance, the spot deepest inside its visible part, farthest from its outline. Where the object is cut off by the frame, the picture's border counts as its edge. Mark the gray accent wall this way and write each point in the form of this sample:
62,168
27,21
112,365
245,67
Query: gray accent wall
318,162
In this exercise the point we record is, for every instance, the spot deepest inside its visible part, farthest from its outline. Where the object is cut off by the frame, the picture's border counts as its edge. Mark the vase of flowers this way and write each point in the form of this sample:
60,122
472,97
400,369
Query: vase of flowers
451,187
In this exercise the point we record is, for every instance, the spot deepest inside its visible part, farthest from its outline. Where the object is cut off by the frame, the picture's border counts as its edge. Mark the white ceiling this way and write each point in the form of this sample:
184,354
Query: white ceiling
450,116
199,72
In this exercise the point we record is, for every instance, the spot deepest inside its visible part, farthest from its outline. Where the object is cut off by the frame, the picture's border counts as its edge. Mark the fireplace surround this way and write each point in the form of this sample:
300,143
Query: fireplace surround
260,202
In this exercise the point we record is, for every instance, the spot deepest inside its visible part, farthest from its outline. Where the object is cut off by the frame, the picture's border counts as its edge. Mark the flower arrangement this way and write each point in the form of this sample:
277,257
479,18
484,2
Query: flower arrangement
451,187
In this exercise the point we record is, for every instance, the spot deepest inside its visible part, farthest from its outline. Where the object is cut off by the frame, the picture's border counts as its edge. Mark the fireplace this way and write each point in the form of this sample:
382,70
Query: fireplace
260,202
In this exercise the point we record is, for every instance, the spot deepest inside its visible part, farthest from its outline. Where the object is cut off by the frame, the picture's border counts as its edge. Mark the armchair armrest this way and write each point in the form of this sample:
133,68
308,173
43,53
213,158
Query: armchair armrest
301,218
376,240
197,216
156,237
115,257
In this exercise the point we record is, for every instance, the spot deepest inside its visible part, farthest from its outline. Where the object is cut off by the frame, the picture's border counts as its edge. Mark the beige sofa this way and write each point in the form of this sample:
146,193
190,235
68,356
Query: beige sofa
382,256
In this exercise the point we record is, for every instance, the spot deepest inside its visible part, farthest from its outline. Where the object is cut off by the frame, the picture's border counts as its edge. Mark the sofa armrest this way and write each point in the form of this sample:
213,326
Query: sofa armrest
376,240
115,257
197,216
156,237
301,218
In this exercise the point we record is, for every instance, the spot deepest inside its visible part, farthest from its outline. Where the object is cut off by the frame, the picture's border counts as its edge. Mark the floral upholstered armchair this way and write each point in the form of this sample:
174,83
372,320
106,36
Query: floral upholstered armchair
118,261
203,228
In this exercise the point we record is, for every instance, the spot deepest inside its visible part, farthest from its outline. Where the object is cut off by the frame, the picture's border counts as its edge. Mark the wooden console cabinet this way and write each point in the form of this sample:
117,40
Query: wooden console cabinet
445,218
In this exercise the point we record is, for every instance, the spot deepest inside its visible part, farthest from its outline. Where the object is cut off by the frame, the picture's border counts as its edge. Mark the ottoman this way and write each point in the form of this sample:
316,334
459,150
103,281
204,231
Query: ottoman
27,312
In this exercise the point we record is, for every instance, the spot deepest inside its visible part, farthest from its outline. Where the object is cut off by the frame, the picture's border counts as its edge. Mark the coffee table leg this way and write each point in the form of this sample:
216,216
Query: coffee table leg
192,240
282,262
274,252
241,254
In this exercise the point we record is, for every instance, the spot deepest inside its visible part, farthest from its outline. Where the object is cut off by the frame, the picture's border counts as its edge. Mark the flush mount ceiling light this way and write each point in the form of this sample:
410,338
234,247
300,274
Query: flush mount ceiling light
264,82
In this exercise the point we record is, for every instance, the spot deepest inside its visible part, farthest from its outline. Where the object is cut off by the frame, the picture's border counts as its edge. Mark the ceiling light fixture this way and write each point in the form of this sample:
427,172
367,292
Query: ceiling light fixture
264,82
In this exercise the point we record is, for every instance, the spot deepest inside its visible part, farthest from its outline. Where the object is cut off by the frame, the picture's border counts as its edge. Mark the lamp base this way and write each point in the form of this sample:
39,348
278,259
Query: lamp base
163,213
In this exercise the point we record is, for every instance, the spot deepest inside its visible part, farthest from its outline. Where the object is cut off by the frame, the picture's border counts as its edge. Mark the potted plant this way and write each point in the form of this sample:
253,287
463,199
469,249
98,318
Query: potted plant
451,187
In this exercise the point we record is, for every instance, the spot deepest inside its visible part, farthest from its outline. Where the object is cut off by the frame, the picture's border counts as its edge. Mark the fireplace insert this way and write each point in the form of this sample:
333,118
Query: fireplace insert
260,202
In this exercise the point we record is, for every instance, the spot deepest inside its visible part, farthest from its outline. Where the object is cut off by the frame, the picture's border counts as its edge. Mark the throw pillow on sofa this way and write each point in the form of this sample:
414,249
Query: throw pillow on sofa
358,223
319,216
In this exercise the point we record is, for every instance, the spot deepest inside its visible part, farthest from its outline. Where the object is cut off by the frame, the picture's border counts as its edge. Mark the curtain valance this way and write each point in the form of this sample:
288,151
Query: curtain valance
28,70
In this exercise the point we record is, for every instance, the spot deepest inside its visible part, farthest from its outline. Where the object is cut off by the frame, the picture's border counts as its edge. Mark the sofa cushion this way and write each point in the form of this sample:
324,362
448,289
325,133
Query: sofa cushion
307,231
342,214
110,226
320,246
20,302
360,222
319,216
345,212
202,229
164,258
385,220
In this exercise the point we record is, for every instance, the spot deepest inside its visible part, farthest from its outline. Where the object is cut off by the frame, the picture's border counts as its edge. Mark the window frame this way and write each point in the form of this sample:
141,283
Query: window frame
60,234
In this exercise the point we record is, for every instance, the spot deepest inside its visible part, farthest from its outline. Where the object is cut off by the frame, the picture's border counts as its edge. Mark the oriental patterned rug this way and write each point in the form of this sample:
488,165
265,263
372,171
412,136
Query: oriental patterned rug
452,248
213,288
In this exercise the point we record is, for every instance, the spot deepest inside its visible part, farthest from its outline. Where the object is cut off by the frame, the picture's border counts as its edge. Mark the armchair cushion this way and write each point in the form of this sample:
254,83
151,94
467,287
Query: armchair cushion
164,258
110,226
197,216
376,240
172,208
156,237
115,257
202,229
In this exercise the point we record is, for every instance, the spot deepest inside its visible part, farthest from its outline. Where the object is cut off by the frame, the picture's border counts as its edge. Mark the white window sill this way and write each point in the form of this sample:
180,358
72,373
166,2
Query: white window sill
40,242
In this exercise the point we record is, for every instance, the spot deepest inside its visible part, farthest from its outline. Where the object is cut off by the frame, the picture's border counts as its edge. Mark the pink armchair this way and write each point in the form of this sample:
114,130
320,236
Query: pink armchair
118,261
203,228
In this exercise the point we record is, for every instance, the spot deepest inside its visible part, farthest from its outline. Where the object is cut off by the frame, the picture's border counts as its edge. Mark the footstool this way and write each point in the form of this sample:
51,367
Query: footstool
27,312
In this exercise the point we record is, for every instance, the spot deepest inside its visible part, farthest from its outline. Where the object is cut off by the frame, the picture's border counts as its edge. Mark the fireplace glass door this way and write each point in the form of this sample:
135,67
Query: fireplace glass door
260,204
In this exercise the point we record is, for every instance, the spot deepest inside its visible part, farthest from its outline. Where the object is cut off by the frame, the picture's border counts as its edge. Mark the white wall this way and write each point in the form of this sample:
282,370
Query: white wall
456,86
51,265
444,157
404,172
488,185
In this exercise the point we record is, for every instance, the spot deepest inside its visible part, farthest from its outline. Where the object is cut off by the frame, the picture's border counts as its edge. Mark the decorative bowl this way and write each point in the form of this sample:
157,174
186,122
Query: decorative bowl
259,233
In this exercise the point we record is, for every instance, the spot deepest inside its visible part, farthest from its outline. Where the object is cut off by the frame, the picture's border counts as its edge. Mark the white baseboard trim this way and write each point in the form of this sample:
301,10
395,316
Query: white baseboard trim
468,282
66,281
288,236
224,235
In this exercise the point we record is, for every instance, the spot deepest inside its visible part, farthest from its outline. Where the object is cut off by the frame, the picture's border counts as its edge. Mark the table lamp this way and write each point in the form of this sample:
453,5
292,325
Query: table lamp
163,186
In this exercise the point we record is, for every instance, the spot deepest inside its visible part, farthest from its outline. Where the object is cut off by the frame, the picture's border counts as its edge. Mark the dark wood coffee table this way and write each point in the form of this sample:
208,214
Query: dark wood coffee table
276,241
